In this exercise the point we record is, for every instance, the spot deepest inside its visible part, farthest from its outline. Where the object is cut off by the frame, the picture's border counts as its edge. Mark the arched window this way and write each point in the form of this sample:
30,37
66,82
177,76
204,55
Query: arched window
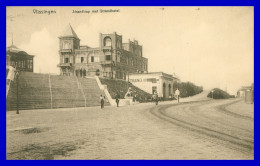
170,90
97,72
118,58
81,73
118,44
84,73
77,73
107,41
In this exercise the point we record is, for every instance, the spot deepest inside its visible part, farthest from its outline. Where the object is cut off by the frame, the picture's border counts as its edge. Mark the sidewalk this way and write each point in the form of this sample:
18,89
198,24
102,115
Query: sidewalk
199,97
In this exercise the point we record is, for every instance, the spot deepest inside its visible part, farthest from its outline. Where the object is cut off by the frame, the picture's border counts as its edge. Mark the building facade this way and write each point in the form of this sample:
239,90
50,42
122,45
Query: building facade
113,58
19,59
247,93
158,82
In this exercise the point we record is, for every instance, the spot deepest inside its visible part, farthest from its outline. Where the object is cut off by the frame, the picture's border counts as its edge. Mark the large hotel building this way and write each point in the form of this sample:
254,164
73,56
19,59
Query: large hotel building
113,58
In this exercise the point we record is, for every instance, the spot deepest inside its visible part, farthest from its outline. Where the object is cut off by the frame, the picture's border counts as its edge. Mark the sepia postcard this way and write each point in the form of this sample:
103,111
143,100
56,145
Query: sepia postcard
127,83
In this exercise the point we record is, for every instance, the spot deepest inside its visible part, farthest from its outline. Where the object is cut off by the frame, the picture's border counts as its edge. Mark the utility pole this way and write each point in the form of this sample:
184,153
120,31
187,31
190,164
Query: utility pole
212,93
127,79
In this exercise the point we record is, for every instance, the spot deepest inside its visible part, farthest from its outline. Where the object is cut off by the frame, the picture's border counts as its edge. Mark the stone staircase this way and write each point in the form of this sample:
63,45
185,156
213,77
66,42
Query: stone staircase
92,93
44,91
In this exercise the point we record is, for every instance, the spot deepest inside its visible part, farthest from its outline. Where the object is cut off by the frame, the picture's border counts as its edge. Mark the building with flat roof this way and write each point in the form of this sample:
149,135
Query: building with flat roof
113,58
159,82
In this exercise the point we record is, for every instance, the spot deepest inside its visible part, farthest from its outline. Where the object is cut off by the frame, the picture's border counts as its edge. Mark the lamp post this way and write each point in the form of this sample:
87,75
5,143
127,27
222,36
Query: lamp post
127,79
17,90
212,93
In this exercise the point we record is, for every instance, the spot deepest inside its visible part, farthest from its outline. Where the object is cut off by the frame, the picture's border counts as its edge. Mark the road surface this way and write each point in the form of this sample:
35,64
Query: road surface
212,129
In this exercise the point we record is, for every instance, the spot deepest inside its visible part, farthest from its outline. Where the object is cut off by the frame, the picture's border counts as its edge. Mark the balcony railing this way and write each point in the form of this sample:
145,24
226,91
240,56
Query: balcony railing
105,62
107,48
65,50
64,65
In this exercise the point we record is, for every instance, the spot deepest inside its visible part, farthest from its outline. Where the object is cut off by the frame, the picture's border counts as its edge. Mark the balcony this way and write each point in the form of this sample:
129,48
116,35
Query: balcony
64,65
107,48
105,62
66,50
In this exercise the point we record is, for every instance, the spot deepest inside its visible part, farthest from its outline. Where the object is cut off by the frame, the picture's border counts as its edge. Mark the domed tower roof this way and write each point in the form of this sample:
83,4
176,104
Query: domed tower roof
69,32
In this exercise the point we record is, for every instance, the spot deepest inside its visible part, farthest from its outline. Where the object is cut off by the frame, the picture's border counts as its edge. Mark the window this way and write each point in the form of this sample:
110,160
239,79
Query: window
118,44
154,89
66,60
30,64
66,45
107,41
82,59
108,57
96,59
92,58
118,58
97,72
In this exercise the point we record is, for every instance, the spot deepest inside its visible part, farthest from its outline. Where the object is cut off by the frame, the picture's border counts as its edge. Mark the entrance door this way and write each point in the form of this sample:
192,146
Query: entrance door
154,89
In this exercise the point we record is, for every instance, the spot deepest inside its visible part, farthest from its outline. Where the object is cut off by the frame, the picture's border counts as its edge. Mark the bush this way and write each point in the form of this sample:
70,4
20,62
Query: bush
219,94
187,89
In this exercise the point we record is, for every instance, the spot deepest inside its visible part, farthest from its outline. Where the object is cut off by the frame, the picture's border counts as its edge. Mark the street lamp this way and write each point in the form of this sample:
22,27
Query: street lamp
212,93
17,90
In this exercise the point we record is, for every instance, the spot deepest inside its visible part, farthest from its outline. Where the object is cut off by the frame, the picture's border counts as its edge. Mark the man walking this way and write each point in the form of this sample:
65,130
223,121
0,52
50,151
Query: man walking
155,98
101,98
117,100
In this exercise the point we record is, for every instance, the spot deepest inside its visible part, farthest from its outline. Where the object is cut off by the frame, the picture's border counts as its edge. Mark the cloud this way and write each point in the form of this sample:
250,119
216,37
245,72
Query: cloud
45,48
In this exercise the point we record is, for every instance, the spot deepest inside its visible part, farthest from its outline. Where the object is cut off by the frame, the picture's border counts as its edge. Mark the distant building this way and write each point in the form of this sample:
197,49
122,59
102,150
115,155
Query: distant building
19,59
247,93
159,82
112,58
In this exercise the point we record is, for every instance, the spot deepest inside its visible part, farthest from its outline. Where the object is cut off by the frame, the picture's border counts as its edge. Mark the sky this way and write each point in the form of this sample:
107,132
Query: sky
212,47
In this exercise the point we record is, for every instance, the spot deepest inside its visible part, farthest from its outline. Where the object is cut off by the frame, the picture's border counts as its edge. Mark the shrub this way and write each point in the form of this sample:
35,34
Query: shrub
219,94
187,89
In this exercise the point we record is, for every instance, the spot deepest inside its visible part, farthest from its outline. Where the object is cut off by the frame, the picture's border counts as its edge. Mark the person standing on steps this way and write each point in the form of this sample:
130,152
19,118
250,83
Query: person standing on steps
101,98
117,100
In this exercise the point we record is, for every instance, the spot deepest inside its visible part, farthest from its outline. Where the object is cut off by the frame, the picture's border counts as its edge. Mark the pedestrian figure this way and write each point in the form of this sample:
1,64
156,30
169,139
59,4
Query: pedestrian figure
135,98
155,98
117,100
177,93
101,101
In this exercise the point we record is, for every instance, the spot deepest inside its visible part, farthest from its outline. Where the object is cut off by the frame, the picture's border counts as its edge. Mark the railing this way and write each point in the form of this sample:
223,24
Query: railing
107,48
64,65
66,50
104,88
105,62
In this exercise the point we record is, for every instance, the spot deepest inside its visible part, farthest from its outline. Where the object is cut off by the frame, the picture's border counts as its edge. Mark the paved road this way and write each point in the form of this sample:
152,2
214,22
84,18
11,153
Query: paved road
212,121
213,129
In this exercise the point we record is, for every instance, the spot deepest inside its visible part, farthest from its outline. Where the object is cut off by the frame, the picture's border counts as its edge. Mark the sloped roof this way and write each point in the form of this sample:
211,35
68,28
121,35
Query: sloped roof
69,32
14,49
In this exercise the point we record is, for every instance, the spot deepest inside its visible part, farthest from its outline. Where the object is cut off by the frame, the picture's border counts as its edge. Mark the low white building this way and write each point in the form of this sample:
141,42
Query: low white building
159,82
